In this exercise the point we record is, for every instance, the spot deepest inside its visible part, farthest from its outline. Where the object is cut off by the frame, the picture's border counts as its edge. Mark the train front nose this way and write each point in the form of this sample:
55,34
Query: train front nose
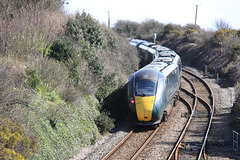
144,107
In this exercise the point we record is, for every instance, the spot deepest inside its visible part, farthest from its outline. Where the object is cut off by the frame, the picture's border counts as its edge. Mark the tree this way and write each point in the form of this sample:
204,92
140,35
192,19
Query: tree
85,27
126,28
221,24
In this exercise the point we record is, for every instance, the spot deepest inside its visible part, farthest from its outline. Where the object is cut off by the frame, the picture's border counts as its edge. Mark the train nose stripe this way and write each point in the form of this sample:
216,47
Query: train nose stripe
144,107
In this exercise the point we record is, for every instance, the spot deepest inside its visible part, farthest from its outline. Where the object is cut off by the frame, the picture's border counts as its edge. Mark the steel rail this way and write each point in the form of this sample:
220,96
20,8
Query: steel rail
118,146
210,110
145,144
174,151
202,151
126,138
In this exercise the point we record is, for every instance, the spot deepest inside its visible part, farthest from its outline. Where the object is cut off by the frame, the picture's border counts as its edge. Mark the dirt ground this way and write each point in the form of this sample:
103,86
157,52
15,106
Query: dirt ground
220,141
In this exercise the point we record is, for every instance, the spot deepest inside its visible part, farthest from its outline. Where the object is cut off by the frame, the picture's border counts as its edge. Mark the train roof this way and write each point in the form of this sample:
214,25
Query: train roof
166,60
136,42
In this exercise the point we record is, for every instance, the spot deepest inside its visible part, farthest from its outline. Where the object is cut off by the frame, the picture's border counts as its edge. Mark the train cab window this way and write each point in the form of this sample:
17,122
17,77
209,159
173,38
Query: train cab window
145,87
131,86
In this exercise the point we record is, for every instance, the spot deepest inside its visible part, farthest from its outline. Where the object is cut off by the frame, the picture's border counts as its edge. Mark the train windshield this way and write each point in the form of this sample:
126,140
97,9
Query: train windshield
145,87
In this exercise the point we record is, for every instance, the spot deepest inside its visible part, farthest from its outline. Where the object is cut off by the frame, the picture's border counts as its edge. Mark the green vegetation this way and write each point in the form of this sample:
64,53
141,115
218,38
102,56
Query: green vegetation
84,27
61,49
61,78
219,49
13,136
104,123
236,110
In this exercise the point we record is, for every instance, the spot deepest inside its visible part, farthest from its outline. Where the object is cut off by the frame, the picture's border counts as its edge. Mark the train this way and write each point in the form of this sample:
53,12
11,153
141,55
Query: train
154,89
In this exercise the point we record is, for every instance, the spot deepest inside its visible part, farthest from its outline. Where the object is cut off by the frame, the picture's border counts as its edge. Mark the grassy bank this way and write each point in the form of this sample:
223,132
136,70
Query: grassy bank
60,79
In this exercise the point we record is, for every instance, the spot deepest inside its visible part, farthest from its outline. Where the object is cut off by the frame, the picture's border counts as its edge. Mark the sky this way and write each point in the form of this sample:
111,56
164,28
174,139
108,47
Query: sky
180,12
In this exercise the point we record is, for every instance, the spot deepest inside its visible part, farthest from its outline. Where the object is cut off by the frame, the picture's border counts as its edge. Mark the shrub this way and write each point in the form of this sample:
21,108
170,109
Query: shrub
117,103
221,24
104,123
43,4
110,38
33,78
14,142
148,27
231,47
92,59
218,38
126,28
192,26
62,49
28,29
84,27
62,128
107,86
236,109
170,30
6,81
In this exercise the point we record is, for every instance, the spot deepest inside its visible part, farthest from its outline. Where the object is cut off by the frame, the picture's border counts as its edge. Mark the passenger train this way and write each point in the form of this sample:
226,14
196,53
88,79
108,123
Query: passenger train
154,89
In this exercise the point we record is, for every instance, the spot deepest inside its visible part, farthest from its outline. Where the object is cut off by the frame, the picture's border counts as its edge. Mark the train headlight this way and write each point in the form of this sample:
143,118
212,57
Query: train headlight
132,101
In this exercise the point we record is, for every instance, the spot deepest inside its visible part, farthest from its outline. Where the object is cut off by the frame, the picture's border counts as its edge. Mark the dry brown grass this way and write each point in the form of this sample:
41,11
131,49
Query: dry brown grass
29,30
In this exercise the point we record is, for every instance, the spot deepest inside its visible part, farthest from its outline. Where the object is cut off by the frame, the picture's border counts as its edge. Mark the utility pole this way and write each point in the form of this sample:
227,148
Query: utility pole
108,19
196,13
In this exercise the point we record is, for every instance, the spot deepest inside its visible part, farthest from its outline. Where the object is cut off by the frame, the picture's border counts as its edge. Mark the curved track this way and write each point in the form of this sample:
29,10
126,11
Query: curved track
191,143
198,98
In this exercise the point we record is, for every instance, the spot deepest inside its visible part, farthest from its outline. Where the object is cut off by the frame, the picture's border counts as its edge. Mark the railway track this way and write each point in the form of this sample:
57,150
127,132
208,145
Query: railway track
132,145
192,141
198,98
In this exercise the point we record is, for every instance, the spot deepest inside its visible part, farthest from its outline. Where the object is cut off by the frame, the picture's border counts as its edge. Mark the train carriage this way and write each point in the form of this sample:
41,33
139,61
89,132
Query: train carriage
153,89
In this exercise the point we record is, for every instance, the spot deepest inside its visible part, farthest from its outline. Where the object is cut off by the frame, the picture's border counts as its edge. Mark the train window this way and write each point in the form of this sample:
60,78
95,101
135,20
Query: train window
173,78
180,67
145,87
131,86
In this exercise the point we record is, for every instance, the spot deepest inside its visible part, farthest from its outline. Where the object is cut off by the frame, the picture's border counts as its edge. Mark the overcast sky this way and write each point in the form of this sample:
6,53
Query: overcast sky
165,11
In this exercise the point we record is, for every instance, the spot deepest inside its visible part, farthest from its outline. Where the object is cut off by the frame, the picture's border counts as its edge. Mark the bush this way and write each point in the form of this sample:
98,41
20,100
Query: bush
61,127
117,103
62,49
126,28
236,109
92,59
231,46
33,78
111,38
192,27
43,4
84,27
148,27
107,86
14,142
218,38
28,29
104,123
170,31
